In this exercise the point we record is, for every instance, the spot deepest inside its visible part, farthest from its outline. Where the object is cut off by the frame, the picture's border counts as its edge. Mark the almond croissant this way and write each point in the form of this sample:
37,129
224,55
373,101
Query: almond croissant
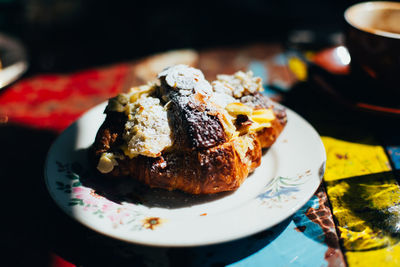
185,133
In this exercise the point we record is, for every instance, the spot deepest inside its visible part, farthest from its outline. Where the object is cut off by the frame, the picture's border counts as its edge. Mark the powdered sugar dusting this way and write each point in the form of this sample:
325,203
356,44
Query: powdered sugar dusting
237,85
186,79
147,130
222,99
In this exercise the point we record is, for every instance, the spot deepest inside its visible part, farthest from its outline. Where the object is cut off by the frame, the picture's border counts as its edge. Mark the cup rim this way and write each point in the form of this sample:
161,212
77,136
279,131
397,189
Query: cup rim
372,5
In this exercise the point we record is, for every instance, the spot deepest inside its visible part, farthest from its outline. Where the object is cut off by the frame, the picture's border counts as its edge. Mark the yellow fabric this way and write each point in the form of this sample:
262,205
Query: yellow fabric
365,199
347,159
387,257
298,67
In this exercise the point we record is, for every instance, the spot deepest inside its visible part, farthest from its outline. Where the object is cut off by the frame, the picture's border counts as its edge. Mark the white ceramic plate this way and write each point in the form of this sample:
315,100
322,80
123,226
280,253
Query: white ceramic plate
290,172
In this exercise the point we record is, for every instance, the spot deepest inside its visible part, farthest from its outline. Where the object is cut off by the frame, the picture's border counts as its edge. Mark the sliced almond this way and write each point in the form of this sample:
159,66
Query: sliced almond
239,109
263,115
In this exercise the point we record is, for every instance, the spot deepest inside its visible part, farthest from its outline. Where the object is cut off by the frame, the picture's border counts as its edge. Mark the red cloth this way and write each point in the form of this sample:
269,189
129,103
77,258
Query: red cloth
55,101
57,261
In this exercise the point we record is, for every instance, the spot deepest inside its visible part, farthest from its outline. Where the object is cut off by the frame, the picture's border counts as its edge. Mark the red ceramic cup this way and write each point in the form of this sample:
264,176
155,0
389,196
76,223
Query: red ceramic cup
373,41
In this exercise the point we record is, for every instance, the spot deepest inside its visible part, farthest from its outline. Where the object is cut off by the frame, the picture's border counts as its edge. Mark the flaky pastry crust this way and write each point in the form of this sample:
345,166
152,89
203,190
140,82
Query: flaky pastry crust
203,159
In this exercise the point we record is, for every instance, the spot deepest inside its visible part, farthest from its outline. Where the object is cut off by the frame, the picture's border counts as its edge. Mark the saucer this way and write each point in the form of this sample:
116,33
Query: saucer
329,69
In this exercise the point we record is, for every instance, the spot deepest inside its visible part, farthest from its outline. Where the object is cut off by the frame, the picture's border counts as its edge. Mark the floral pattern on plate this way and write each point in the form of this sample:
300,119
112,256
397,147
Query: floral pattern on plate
91,202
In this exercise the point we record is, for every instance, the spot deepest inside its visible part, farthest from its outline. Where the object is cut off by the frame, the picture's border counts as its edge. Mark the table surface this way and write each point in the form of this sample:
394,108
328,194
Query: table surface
353,219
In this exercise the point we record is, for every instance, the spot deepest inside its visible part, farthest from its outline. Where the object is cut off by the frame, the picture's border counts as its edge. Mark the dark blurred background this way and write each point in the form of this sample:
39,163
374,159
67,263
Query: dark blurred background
65,35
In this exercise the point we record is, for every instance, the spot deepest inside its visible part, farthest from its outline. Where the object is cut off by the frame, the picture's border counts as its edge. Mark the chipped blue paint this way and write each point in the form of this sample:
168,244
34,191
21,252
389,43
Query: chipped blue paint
258,68
394,154
281,59
311,229
292,247
281,245
269,92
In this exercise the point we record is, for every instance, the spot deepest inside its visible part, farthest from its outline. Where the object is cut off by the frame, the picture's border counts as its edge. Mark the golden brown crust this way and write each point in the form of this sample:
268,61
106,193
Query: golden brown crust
268,136
202,171
210,151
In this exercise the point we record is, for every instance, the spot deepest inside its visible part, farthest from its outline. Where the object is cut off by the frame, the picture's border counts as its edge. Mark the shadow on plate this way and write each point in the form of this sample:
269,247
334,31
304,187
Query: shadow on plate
132,191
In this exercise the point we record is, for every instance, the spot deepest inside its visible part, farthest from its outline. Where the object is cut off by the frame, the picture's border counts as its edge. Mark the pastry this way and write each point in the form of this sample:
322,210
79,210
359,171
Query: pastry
188,134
